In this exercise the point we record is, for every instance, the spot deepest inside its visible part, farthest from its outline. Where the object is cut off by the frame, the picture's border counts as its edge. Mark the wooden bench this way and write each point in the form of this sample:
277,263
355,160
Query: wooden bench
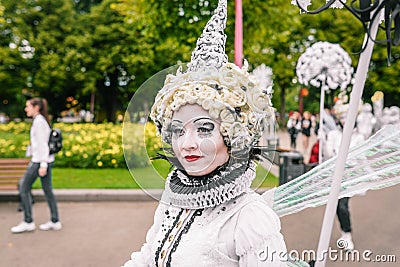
11,170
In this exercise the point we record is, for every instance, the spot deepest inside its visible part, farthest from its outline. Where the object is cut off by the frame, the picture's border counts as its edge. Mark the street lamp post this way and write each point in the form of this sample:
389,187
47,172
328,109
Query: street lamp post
238,33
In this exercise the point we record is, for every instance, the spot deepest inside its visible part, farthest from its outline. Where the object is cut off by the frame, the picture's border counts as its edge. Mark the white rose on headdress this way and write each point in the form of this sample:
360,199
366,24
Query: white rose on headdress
208,93
216,108
227,116
257,100
241,141
214,112
206,103
233,129
229,79
235,98
225,129
252,118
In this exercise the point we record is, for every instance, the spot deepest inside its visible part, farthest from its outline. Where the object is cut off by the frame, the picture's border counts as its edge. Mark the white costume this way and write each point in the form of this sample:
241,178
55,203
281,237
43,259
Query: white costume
366,121
391,116
225,235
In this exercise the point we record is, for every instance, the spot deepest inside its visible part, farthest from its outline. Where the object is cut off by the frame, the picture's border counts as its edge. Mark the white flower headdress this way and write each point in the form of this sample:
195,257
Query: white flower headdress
229,93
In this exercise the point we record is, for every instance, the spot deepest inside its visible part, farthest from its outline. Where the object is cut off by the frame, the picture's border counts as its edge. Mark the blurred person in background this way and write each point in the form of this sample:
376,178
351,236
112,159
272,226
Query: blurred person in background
40,165
294,126
306,125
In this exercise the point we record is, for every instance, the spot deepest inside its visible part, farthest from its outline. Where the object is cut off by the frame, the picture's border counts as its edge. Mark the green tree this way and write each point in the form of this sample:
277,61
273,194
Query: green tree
35,32
107,49
115,54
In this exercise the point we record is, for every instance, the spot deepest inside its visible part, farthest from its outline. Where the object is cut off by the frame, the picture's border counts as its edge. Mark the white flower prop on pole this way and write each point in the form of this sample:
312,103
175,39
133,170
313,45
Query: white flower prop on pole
370,14
327,66
263,75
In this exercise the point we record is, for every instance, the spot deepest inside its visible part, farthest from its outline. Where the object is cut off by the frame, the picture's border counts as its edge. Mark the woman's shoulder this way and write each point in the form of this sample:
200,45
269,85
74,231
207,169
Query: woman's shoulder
252,208
41,120
257,226
257,207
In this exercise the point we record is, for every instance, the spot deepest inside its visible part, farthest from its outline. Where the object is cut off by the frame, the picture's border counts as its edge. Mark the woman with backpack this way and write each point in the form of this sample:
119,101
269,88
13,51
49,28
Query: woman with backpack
294,126
40,165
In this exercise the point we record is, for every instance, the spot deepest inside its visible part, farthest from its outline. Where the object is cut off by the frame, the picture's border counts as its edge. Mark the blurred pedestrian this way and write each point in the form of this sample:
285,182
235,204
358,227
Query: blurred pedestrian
294,126
306,125
40,165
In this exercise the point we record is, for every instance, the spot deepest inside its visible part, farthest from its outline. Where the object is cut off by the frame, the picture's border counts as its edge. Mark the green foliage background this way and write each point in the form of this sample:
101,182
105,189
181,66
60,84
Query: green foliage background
106,49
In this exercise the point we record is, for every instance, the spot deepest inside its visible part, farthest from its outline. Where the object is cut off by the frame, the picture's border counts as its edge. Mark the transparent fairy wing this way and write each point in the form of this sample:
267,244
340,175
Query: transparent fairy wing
371,165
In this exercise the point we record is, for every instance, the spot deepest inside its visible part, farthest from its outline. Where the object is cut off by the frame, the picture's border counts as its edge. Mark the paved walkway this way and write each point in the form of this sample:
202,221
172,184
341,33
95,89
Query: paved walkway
104,233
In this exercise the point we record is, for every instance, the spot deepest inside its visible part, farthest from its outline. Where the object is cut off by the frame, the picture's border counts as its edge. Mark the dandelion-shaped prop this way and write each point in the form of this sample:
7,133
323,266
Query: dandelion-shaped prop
370,14
327,66
263,75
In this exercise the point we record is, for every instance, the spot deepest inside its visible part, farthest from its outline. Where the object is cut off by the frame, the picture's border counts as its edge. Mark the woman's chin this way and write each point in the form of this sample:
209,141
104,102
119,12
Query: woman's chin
197,173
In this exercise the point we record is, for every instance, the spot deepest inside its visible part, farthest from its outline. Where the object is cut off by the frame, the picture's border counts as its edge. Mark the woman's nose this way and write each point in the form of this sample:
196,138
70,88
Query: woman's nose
189,141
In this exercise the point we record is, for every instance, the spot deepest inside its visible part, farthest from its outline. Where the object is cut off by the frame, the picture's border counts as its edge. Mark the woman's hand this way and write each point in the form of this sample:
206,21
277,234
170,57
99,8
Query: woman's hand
42,172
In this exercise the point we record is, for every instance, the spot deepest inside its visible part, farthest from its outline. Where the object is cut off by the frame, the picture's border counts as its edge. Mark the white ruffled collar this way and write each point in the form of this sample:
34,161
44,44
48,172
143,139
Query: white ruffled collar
184,192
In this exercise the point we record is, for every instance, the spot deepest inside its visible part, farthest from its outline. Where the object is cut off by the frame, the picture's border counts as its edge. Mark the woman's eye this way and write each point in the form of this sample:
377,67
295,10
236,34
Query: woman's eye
177,131
204,130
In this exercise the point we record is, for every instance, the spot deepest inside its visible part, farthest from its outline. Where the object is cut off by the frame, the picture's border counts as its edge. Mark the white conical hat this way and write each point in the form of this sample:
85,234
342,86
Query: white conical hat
228,92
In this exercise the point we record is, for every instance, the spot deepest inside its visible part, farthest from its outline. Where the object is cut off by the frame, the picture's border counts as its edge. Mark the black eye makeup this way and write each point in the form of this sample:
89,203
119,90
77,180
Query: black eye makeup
177,129
203,126
205,129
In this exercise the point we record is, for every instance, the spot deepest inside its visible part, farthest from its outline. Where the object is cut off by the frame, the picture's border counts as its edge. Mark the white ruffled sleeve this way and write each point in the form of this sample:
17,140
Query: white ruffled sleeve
257,237
144,257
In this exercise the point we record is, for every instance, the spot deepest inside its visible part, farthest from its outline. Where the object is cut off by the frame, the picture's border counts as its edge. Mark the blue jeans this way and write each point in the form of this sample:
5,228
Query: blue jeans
30,177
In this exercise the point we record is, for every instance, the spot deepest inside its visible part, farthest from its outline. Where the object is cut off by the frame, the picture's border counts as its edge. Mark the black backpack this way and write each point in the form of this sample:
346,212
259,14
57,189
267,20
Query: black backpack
55,141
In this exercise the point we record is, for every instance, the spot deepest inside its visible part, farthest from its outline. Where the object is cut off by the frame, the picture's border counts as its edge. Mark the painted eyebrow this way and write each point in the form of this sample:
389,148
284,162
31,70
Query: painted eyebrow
204,118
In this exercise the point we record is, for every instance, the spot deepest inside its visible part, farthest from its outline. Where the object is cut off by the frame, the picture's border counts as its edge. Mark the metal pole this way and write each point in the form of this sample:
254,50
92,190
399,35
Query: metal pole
321,134
238,33
355,97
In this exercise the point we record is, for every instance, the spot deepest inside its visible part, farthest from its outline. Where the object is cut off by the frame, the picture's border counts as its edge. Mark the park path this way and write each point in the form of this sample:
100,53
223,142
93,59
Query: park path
104,233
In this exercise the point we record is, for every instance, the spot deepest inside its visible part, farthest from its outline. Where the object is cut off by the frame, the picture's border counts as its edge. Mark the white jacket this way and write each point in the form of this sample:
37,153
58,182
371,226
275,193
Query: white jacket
39,138
241,232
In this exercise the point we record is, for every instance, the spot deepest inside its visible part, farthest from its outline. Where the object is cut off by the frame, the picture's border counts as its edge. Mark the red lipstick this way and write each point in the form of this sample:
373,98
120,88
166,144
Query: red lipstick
191,158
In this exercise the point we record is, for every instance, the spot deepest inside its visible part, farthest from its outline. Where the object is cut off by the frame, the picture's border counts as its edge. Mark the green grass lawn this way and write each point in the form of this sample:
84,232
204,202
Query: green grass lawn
69,178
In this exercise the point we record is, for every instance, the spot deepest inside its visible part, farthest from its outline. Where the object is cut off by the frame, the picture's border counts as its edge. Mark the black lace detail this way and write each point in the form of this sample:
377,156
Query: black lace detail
185,184
193,181
185,229
157,256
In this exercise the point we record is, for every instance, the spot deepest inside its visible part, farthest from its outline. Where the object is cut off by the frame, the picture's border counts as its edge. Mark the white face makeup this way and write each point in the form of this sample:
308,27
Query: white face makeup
197,141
